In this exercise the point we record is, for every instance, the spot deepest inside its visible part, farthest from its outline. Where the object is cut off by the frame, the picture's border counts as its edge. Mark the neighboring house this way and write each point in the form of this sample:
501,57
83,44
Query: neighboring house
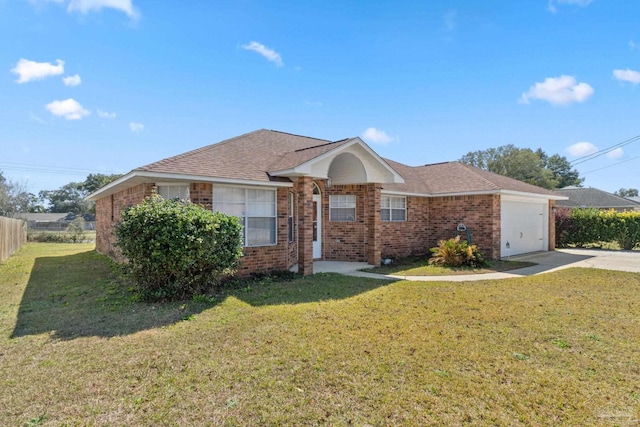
55,221
302,198
634,199
579,197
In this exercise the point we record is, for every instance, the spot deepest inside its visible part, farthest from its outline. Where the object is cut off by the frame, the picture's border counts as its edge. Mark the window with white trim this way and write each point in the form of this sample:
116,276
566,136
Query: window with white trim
256,209
173,191
342,208
393,209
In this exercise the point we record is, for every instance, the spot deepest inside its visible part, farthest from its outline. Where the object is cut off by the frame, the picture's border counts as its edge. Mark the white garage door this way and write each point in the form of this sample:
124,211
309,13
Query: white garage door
524,226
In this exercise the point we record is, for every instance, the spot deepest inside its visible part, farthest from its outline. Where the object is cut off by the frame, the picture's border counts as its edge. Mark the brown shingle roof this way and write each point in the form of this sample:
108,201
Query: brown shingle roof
456,177
245,157
302,155
251,156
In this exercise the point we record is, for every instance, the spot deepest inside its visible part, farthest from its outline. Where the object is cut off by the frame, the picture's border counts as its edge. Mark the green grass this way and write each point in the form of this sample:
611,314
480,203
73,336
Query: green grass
419,266
553,349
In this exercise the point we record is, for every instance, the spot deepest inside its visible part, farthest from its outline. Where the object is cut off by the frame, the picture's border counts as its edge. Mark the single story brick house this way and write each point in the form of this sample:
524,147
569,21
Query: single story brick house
303,199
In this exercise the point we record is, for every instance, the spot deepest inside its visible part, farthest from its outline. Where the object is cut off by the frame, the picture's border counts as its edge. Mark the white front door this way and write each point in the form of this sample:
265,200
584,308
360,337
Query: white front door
317,226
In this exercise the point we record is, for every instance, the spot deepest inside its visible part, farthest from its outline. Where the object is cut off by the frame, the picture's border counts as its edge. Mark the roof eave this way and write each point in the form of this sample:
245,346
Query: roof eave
476,193
141,177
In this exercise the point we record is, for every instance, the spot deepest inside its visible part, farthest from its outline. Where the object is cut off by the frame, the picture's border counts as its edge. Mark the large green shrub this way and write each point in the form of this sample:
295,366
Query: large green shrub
623,227
582,227
176,249
456,253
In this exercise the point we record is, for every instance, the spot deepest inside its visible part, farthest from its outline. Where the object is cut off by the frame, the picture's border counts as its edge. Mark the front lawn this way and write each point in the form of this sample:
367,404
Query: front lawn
77,349
419,266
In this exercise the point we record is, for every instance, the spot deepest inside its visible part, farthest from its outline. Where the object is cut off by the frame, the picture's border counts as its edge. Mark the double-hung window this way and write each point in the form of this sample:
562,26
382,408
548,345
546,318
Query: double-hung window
173,191
256,209
393,209
342,208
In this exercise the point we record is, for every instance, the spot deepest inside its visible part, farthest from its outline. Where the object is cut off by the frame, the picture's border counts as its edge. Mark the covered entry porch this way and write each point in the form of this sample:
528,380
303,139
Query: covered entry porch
337,204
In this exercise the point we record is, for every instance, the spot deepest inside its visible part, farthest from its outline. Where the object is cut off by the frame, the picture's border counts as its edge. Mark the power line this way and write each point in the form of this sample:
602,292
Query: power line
610,166
49,169
604,151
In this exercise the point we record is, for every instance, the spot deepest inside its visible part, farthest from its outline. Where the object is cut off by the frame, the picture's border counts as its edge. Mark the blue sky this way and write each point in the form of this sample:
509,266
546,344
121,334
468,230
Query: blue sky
109,85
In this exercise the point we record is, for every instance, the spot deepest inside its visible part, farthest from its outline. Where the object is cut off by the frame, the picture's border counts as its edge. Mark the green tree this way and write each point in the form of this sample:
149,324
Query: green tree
561,169
68,198
627,192
95,181
15,199
524,164
71,197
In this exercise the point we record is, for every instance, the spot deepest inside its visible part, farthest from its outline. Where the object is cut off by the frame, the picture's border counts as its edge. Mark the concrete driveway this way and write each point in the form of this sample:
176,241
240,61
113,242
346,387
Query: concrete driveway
587,258
546,262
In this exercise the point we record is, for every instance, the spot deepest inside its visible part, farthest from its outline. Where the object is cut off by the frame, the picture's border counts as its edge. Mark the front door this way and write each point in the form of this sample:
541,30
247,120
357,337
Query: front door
317,226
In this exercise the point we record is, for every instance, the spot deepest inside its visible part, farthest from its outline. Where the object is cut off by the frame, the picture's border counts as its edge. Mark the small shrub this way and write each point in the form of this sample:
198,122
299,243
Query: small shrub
176,249
456,253
50,237
76,229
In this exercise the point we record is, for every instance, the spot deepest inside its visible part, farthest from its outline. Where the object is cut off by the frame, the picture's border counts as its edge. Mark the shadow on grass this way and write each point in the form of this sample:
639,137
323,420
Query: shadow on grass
300,290
81,295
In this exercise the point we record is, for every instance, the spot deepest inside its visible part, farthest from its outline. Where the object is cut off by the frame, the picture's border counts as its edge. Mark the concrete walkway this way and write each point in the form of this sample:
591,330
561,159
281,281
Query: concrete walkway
546,262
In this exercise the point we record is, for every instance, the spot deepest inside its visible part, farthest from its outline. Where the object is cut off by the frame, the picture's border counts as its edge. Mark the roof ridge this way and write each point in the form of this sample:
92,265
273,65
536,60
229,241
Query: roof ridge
294,134
314,146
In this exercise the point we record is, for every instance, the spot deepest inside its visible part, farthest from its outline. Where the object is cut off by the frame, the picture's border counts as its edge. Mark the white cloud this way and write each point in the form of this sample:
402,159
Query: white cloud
70,109
72,80
377,136
627,76
580,149
618,153
450,20
552,5
136,127
106,115
86,6
562,90
269,54
30,70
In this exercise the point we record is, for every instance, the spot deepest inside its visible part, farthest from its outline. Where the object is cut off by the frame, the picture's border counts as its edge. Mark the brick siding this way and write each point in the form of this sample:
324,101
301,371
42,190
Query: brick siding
108,213
410,237
344,241
481,215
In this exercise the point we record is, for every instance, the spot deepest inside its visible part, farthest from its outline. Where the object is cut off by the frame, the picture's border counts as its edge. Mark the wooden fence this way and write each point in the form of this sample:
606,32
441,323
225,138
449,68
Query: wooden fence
13,234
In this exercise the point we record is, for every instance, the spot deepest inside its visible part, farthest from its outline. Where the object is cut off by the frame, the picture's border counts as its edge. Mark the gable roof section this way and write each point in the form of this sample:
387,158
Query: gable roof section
246,157
449,178
295,158
593,198
263,157
316,161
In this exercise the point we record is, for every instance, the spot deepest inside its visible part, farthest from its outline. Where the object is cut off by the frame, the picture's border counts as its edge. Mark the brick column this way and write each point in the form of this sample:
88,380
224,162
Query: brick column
496,224
305,225
552,226
374,224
